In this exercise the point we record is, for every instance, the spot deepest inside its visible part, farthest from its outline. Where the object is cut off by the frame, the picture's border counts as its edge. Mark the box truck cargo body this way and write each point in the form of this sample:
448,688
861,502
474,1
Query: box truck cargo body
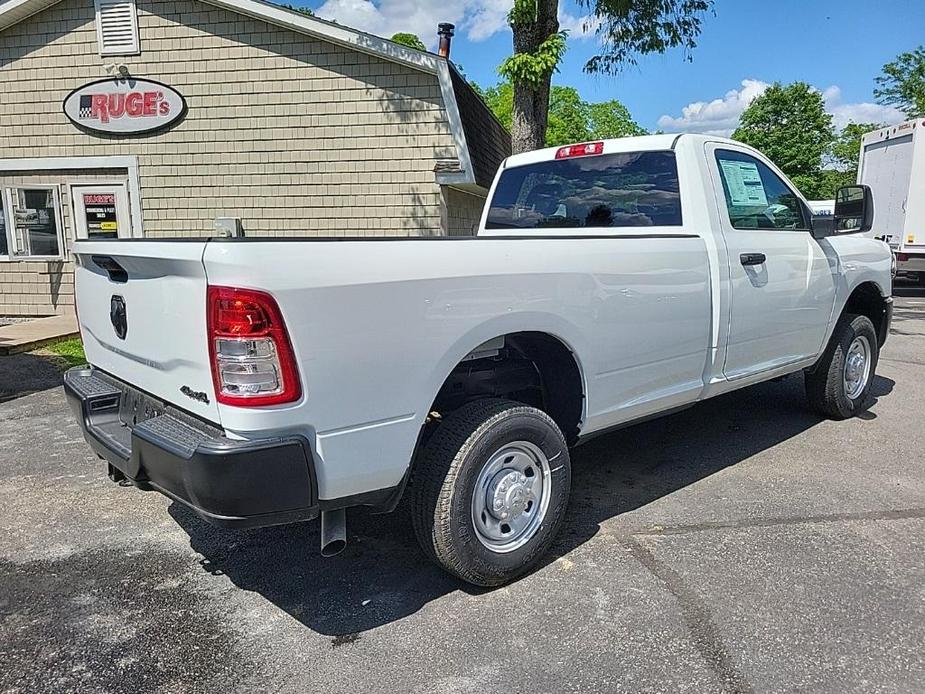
893,165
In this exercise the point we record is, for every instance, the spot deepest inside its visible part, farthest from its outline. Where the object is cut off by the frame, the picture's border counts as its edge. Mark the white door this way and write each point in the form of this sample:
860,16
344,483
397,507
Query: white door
782,287
887,169
101,211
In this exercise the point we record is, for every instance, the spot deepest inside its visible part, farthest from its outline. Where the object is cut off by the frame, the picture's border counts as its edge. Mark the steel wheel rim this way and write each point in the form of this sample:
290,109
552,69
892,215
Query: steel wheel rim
511,496
857,367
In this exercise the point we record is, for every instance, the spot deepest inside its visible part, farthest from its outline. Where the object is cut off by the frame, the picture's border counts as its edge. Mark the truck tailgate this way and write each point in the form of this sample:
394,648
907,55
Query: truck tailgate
142,312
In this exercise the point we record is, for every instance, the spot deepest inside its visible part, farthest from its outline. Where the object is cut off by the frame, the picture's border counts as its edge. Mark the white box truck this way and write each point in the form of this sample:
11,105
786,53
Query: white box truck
893,165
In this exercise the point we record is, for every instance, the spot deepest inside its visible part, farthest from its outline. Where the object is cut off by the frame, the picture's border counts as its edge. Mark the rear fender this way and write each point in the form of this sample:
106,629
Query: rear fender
555,326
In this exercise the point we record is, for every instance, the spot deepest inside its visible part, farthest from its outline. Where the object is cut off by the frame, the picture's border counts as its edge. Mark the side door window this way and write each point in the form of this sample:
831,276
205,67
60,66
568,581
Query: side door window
756,197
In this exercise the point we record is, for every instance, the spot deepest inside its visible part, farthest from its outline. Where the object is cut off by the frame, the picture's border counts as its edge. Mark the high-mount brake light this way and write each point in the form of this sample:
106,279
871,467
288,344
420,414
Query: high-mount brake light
253,364
585,149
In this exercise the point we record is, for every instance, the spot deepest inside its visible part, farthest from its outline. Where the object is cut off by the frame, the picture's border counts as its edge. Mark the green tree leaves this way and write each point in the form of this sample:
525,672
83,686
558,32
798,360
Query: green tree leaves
630,28
627,29
846,150
571,119
534,67
568,117
409,40
902,83
790,125
612,119
500,99
301,10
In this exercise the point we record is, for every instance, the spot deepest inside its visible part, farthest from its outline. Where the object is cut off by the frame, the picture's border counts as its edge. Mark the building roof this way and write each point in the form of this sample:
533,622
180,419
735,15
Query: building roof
14,11
480,139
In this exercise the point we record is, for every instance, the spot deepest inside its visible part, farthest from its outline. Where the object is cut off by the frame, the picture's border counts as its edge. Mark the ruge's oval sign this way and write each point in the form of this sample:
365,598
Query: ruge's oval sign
124,106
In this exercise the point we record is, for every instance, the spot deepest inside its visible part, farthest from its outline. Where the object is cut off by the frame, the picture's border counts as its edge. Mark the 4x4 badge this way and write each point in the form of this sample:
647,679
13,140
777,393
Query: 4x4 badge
195,394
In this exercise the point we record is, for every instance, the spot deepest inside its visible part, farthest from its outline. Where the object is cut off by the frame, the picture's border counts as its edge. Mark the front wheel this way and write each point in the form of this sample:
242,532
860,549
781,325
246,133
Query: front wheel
839,385
490,491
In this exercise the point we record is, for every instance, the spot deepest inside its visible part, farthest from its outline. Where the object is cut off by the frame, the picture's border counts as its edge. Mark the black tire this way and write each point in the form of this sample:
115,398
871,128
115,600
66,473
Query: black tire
921,279
446,475
825,382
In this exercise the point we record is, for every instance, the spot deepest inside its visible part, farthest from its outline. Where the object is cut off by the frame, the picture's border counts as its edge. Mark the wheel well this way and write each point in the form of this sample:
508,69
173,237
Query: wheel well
531,367
866,300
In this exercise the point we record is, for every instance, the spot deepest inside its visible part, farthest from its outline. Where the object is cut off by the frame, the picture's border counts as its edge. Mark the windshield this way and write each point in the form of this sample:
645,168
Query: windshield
630,189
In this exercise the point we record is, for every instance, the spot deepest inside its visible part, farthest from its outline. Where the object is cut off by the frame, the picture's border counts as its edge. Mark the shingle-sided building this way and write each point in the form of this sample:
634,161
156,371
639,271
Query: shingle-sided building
155,118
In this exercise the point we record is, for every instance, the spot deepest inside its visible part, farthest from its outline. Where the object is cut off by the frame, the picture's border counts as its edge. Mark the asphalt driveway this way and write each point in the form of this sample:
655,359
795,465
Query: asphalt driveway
744,545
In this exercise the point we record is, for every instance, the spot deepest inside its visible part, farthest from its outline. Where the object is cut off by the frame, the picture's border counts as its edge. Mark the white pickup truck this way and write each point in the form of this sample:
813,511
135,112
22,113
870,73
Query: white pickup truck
267,381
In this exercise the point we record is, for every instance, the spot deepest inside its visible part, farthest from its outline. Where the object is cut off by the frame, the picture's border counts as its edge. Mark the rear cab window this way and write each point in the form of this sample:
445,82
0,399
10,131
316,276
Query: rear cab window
627,189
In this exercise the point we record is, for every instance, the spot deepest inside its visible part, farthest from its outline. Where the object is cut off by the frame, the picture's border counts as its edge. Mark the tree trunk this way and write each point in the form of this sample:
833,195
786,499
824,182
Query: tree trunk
531,100
530,117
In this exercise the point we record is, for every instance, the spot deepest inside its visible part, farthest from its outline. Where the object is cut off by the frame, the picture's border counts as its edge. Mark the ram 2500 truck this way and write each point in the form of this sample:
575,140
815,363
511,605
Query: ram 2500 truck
268,381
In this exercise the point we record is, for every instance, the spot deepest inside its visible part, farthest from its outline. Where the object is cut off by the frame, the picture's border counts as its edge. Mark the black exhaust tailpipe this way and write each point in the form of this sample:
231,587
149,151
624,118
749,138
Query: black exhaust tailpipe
333,532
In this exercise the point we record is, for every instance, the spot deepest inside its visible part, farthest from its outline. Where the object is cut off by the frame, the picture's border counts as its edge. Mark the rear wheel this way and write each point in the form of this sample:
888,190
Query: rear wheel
490,491
839,385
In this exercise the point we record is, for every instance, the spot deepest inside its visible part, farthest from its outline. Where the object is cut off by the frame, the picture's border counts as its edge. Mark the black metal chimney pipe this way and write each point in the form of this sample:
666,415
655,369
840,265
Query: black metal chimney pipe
445,32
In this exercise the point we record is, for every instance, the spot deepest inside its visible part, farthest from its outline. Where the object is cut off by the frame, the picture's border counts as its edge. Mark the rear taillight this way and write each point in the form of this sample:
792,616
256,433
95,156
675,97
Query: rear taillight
252,360
585,149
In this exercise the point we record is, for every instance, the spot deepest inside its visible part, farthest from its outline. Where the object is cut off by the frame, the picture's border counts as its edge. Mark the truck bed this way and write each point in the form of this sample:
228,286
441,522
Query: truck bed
374,315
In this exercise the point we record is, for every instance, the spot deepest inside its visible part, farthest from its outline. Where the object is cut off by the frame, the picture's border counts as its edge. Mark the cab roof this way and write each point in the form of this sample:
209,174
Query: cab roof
641,143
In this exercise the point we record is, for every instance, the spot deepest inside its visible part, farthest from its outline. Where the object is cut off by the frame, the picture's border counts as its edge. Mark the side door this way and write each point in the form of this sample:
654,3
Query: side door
101,211
782,287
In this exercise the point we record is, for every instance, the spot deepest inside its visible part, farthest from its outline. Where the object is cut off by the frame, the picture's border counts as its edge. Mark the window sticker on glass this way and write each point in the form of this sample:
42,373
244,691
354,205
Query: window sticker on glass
744,182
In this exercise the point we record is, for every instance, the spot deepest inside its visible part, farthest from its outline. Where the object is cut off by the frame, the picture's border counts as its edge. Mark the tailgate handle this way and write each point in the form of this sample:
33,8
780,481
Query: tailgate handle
115,271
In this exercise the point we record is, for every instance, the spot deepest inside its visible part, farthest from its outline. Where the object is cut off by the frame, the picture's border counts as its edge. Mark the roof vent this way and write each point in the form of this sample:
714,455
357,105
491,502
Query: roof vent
117,27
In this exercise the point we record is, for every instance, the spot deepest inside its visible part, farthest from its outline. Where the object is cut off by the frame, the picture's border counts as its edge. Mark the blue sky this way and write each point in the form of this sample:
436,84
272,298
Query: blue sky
838,46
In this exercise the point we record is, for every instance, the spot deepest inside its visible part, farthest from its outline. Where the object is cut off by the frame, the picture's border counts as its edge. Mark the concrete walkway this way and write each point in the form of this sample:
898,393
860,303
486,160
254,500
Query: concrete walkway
22,337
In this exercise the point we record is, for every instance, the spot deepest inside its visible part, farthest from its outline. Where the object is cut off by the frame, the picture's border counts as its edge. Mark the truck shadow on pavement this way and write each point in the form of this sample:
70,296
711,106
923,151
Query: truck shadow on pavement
25,374
906,288
382,576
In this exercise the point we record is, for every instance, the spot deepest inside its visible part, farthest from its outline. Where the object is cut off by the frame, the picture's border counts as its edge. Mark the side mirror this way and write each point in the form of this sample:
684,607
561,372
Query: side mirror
820,225
854,209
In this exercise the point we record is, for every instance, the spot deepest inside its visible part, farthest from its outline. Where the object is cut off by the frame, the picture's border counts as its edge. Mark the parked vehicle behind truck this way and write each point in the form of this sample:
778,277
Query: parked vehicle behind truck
892,163
267,381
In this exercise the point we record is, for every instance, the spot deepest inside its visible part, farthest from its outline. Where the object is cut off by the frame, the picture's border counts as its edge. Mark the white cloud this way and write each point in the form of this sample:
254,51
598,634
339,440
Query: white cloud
389,17
487,19
579,27
864,112
476,19
721,116
717,117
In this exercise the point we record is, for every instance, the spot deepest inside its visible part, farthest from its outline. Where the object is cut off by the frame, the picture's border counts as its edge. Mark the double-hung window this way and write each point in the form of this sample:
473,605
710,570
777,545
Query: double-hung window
30,223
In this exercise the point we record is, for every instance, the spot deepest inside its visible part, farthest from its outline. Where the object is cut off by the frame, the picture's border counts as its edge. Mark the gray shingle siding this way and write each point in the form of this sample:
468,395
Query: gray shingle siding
488,142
